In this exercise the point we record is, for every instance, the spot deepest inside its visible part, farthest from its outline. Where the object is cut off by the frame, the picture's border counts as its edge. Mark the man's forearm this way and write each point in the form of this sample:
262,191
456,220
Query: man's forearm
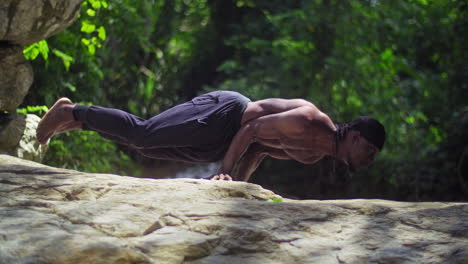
239,145
254,156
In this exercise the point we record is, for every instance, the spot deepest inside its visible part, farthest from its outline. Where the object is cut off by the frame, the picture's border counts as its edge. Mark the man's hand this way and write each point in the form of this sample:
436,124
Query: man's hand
221,177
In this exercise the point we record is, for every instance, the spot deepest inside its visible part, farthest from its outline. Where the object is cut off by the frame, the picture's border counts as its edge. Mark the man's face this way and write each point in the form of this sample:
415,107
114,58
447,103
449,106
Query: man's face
362,153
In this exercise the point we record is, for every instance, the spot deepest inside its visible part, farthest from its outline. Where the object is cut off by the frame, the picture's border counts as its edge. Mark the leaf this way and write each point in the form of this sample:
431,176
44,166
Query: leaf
102,33
387,55
66,59
70,86
21,111
86,42
92,49
96,4
275,200
149,88
32,51
87,27
43,49
91,12
38,109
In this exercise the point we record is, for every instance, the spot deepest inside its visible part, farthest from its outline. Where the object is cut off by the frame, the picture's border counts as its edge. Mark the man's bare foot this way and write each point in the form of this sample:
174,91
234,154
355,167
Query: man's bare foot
58,116
69,127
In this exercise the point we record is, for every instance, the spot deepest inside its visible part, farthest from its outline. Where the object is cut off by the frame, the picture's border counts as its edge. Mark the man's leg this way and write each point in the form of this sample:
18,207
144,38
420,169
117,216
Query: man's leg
65,116
179,126
110,123
176,127
197,129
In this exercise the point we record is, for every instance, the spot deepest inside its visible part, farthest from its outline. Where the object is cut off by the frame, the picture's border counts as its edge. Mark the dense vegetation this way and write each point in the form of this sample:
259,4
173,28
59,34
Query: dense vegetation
402,62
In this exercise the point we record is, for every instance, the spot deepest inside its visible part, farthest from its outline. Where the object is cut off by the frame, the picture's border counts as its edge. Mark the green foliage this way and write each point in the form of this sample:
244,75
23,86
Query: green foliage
94,35
87,151
32,51
38,110
402,62
351,58
66,59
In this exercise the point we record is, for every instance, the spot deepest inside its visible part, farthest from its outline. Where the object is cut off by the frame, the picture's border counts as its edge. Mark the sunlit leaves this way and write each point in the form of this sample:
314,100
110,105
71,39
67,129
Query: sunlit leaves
87,27
94,34
97,4
93,39
39,48
66,59
101,33
91,12
37,109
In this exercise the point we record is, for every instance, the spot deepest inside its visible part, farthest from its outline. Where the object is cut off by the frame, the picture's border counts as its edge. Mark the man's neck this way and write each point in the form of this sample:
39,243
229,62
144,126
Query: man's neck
340,152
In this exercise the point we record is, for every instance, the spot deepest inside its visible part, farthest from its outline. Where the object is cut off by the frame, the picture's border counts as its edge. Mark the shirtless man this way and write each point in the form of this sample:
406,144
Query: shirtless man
226,125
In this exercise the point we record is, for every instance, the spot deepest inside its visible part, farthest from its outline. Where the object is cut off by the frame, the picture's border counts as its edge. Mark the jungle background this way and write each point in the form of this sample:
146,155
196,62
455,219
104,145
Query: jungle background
401,62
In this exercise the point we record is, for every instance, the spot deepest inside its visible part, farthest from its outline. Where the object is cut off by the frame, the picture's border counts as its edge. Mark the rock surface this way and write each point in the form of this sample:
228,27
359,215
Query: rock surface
24,22
16,77
18,137
50,215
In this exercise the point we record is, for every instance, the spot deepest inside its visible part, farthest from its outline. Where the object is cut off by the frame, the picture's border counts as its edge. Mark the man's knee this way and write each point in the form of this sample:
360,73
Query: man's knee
139,137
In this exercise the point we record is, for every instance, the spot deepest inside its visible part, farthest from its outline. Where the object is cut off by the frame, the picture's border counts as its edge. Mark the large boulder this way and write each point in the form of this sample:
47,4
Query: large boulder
18,137
50,215
16,77
24,22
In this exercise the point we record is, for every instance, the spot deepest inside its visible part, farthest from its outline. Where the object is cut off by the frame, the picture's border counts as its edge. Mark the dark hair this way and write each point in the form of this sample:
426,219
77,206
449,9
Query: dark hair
341,131
370,129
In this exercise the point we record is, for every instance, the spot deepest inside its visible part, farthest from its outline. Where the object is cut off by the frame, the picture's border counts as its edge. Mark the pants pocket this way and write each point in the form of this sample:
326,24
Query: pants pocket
204,99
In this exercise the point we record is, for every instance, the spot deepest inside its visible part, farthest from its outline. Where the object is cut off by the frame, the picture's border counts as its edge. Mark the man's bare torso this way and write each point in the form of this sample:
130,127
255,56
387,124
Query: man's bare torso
285,129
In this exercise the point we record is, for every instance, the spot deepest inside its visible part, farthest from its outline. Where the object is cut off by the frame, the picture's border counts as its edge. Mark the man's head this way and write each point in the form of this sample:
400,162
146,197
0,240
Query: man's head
361,139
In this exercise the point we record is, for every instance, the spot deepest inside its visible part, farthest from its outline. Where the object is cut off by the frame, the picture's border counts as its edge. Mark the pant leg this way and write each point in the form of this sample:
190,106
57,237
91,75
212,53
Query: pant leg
185,154
179,126
113,124
198,130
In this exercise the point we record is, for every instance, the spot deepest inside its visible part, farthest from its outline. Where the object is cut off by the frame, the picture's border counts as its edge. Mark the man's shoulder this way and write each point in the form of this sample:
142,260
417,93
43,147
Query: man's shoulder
314,115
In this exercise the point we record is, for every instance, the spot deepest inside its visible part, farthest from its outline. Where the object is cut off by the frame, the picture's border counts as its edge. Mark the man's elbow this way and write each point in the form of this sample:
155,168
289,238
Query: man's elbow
248,131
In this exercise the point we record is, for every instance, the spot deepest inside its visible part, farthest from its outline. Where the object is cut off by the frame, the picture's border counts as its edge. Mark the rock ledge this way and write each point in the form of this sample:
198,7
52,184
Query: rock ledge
50,215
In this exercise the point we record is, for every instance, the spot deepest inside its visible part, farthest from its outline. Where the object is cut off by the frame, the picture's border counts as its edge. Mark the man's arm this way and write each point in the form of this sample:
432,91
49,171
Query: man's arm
305,127
270,127
240,143
253,157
